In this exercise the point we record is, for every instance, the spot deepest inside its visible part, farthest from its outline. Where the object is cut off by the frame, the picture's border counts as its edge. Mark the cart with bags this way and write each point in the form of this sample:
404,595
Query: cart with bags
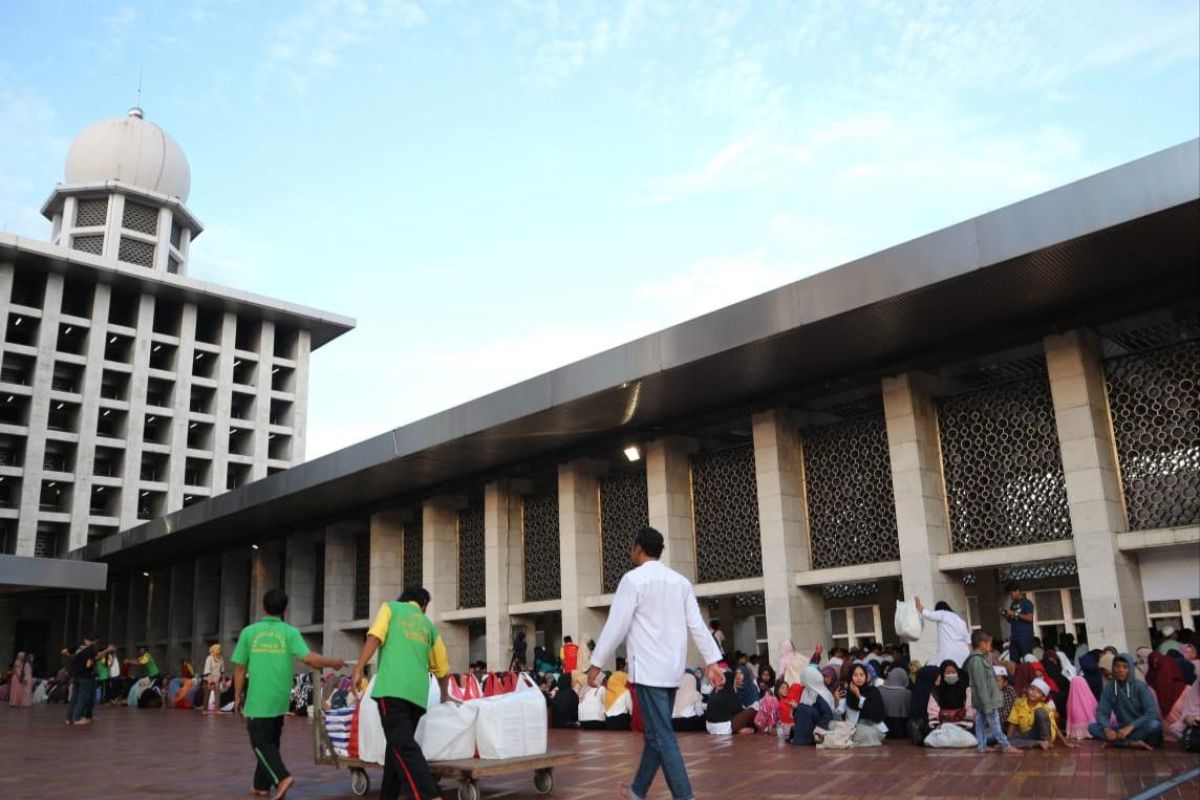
466,771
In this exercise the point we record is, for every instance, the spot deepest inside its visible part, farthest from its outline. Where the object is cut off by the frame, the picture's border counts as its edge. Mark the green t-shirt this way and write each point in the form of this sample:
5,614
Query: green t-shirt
404,656
147,661
102,669
267,649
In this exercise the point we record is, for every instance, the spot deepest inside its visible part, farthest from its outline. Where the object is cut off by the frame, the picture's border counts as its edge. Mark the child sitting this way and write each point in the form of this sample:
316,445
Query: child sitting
1033,721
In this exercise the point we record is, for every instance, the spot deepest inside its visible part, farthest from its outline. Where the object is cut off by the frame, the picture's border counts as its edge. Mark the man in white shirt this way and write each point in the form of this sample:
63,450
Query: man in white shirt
954,635
653,612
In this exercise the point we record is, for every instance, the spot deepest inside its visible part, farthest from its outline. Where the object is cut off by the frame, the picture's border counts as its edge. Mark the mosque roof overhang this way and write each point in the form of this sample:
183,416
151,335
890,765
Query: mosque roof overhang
26,573
1117,243
324,326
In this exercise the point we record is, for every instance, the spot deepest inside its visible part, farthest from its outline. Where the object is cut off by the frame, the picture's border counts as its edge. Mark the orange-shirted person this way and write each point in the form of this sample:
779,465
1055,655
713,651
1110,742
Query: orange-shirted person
569,655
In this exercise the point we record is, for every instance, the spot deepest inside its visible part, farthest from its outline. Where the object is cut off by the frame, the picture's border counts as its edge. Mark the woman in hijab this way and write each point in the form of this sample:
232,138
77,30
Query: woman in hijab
214,671
832,678
688,712
618,701
747,687
815,711
1053,667
918,716
1089,670
19,695
950,700
768,719
787,653
1166,679
725,713
864,708
1105,662
1189,714
564,704
897,699
766,680
1081,707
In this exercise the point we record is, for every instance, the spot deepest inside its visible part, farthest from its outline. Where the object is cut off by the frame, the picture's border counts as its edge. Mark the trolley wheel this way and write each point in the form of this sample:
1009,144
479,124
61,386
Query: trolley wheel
543,781
360,782
467,791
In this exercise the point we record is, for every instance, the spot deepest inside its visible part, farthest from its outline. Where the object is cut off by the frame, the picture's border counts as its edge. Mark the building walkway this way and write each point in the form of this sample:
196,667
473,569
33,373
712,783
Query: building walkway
147,754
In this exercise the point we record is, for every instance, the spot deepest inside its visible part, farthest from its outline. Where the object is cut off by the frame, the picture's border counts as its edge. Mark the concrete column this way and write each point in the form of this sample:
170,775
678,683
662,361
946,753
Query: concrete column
300,405
181,403
339,591
792,613
920,492
137,628
579,552
224,399
206,607
1109,579
440,567
669,491
503,566
235,596
262,400
264,573
299,579
181,618
89,415
387,557
990,596
136,419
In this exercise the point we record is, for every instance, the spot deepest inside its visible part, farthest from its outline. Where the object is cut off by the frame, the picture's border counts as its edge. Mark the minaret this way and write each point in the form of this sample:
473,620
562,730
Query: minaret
123,197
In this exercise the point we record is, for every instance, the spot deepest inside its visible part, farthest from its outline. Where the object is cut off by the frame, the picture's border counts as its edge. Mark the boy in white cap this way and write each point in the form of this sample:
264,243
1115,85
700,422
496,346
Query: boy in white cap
1033,721
1007,691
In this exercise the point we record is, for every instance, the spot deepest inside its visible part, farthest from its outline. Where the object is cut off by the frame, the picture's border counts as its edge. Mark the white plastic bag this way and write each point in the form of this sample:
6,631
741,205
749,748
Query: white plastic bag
840,736
372,744
591,707
949,735
511,725
447,731
909,622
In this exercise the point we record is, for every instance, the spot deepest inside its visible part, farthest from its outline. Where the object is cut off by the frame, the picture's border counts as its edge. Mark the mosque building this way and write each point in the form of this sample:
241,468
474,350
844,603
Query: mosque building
1012,397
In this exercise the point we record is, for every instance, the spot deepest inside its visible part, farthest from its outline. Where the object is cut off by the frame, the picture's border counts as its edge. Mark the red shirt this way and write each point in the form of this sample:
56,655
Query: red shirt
570,657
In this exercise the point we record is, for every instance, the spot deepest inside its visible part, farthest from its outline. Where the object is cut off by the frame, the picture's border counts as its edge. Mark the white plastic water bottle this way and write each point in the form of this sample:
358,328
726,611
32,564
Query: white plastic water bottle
780,733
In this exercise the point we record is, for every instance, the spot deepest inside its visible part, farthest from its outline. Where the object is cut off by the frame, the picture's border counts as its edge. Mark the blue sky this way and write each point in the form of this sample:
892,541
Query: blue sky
496,189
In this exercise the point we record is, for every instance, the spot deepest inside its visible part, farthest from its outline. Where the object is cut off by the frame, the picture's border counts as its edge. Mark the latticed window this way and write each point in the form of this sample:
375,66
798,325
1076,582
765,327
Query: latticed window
1154,398
624,510
90,243
543,570
848,481
472,576
135,251
173,265
176,234
725,506
91,212
140,218
413,564
318,597
362,575
1004,474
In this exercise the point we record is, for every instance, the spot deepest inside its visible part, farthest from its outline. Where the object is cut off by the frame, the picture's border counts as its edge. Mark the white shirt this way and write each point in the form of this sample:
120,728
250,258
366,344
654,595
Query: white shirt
653,612
954,637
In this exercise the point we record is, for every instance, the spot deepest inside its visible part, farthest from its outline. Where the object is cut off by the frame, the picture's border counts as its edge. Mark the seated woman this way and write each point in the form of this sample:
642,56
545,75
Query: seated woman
950,700
815,711
747,687
618,702
1033,721
564,704
688,713
897,704
864,708
591,709
725,713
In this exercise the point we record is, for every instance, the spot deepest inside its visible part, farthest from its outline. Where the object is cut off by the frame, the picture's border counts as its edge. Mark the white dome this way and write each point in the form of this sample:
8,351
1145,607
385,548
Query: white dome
131,150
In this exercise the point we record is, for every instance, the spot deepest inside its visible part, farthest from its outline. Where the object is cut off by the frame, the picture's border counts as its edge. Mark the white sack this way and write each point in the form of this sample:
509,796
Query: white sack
909,623
511,725
950,735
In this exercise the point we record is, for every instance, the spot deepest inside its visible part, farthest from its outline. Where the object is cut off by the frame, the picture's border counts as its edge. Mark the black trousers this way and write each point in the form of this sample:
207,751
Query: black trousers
264,740
404,764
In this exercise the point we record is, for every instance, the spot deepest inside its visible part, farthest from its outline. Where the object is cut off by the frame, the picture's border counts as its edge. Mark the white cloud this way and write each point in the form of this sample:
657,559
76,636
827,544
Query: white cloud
749,162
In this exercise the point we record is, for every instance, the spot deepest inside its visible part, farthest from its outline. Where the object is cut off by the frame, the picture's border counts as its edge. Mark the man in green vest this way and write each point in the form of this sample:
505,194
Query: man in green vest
266,650
409,650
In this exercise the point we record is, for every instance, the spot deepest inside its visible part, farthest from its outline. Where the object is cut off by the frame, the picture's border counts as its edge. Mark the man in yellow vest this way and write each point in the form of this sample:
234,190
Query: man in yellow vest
409,650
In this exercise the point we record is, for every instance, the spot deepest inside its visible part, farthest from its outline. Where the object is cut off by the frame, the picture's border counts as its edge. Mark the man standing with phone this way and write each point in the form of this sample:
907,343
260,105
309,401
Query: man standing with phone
1020,620
653,612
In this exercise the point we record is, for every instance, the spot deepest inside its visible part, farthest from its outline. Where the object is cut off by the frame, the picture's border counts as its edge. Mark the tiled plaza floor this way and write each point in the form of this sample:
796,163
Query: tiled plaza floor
128,753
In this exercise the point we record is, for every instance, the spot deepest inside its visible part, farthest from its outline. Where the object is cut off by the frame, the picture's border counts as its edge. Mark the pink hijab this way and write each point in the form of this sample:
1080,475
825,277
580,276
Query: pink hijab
787,654
1188,706
1081,708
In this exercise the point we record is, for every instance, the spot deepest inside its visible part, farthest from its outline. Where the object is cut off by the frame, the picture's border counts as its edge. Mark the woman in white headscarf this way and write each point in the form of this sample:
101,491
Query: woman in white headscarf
816,709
